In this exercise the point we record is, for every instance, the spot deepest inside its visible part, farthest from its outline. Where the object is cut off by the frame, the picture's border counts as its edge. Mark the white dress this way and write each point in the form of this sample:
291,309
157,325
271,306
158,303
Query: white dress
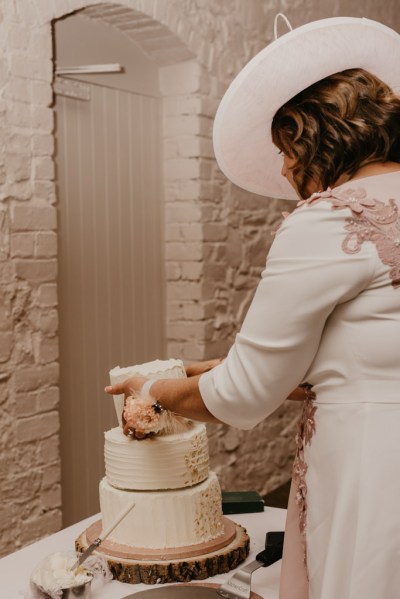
327,311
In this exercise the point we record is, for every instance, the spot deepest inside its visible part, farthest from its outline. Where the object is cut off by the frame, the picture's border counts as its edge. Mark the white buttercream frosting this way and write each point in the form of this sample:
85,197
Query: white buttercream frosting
160,462
168,369
177,500
54,572
164,519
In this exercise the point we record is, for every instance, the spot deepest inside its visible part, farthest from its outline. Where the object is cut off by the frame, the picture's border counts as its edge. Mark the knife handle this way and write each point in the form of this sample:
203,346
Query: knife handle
274,539
114,524
273,549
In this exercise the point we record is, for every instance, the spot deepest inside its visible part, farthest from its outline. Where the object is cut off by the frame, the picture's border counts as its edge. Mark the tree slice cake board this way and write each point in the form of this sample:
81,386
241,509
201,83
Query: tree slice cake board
154,566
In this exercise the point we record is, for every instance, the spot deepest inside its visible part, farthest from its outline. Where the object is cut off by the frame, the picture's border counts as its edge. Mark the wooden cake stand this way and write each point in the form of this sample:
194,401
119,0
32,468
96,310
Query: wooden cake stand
154,566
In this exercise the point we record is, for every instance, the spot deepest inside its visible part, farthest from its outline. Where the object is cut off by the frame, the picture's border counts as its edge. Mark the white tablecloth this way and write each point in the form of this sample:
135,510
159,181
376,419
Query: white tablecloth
15,569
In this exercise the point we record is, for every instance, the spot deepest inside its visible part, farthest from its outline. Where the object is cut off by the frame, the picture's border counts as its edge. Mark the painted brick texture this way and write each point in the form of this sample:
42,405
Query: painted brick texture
217,236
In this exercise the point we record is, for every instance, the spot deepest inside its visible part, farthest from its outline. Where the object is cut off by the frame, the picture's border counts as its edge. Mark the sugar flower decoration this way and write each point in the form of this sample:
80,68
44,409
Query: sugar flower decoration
140,414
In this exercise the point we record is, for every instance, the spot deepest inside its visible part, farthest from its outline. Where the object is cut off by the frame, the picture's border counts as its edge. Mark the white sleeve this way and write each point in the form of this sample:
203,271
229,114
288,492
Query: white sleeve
307,274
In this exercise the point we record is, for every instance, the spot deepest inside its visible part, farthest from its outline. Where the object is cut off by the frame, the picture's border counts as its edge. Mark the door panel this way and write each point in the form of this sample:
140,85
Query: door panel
111,269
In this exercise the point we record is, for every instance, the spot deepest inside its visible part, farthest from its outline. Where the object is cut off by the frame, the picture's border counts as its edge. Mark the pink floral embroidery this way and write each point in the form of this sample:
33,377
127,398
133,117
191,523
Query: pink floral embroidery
371,220
305,432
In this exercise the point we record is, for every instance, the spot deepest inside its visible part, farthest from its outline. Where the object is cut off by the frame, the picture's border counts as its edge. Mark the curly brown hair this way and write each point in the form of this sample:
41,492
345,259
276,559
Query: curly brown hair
337,125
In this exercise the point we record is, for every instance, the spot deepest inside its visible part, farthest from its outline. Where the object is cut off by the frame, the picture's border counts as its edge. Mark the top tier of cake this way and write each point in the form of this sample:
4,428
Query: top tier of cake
159,462
157,369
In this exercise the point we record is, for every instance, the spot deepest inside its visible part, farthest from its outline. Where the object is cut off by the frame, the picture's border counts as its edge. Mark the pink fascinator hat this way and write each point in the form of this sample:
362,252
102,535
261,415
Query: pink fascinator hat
242,127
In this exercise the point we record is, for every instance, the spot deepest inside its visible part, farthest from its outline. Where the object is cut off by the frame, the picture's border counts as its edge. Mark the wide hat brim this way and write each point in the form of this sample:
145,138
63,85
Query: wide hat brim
242,127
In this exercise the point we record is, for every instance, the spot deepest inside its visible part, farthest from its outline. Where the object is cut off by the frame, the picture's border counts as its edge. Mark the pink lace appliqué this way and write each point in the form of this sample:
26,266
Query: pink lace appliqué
305,432
371,220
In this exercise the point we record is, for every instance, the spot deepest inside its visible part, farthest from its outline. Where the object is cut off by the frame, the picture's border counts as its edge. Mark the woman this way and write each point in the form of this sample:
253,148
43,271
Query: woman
327,309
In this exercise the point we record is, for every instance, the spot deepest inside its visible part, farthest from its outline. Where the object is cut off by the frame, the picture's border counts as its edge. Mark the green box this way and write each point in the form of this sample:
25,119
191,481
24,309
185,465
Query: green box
241,502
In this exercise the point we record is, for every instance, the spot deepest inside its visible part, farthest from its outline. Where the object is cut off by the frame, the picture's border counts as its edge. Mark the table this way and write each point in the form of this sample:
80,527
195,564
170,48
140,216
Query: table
15,569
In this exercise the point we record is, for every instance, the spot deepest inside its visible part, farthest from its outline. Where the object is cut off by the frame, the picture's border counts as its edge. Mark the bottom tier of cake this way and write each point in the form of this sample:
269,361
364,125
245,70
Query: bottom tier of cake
162,519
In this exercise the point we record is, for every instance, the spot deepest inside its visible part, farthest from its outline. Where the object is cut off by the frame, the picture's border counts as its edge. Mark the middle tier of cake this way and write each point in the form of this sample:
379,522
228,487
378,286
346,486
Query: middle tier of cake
158,462
174,518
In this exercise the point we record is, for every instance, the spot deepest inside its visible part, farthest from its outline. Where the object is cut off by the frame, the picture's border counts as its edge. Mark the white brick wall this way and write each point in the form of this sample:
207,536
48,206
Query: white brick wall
216,235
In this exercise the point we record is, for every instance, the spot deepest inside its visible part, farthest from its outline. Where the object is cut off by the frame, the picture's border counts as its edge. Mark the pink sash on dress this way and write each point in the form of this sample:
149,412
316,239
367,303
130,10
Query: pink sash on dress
293,583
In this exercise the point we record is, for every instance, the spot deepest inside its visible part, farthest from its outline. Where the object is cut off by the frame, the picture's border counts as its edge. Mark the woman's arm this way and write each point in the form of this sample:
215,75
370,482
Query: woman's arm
181,396
196,368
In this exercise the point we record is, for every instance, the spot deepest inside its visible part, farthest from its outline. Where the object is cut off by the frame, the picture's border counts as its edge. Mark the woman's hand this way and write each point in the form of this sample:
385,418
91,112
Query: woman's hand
180,396
197,368
301,393
128,387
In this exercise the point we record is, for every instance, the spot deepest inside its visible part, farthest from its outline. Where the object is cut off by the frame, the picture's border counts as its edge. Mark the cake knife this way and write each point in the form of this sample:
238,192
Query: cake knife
104,533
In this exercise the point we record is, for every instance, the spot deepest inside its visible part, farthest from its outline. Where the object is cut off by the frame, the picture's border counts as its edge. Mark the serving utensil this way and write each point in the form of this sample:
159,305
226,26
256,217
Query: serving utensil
239,585
104,534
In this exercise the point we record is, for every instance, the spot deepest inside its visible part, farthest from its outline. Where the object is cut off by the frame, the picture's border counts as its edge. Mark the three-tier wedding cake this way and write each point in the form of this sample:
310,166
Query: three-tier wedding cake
178,505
